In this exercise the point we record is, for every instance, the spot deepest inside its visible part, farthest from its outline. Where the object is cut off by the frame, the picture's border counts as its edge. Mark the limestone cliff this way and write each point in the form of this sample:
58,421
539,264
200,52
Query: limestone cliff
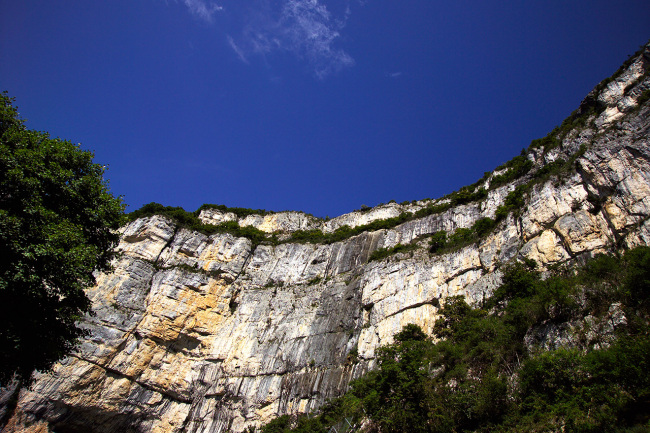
213,333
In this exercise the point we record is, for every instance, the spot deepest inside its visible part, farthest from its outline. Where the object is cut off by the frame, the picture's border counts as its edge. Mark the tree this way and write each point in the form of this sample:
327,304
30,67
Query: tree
58,224
395,395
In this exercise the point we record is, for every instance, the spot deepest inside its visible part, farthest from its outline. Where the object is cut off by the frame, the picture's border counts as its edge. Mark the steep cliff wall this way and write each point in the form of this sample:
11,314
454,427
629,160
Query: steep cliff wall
198,333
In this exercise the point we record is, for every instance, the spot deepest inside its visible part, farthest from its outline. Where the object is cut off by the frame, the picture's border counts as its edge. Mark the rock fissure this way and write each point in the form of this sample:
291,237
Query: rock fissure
616,233
462,272
134,380
170,241
565,243
247,260
433,302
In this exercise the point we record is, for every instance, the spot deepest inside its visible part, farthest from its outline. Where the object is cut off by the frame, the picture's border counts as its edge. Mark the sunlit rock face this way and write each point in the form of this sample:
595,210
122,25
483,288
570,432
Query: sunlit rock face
196,333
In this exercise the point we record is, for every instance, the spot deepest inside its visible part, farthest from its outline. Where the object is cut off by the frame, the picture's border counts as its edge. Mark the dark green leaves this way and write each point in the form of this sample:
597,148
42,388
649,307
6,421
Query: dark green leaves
481,376
57,226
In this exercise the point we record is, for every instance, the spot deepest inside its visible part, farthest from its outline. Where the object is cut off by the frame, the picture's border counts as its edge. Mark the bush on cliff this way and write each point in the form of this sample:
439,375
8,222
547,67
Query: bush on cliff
440,242
190,221
483,374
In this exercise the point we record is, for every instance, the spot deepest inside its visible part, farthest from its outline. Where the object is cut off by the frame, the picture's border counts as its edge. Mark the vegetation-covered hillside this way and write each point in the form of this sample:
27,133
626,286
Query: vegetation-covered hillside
561,351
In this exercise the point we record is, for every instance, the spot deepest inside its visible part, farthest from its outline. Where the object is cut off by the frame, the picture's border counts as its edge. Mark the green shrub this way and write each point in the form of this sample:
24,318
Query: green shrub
516,168
466,195
645,96
382,253
438,241
177,214
483,226
345,232
240,212
549,142
602,390
410,332
311,236
432,210
191,221
514,202
278,425
460,237
481,377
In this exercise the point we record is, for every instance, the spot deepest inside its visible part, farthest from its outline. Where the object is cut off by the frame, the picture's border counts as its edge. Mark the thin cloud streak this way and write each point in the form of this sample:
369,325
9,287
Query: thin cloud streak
237,50
310,32
203,9
305,28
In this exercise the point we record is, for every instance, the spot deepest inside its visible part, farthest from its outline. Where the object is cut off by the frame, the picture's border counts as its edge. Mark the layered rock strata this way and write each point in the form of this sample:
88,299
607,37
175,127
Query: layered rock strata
197,333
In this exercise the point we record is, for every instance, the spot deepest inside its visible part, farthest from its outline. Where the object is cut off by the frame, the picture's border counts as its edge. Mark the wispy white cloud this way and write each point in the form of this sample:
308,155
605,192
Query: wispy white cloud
237,50
305,28
394,74
203,9
308,30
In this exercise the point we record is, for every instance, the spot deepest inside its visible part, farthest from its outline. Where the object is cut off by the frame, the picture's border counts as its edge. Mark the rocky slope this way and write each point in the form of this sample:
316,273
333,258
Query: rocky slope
198,333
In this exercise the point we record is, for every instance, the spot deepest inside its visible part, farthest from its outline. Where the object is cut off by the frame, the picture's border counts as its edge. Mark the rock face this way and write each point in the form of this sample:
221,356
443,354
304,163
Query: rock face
196,333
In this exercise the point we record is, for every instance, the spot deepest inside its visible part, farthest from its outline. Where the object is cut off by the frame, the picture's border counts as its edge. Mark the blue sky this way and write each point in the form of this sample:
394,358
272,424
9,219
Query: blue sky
311,105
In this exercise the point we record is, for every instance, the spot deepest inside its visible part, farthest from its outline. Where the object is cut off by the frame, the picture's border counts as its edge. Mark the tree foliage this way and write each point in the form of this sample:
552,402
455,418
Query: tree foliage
57,226
482,375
